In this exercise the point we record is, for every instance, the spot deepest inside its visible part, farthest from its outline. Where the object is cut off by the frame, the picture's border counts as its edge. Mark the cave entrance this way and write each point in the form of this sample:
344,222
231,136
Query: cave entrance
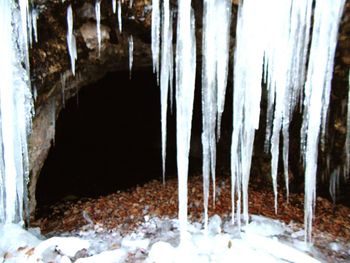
107,139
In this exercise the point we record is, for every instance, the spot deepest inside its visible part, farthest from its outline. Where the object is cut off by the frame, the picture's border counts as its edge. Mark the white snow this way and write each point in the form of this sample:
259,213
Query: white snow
71,42
157,240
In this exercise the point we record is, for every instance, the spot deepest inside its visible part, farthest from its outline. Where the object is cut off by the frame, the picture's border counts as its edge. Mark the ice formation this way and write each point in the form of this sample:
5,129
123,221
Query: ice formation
98,23
71,42
114,6
120,16
185,85
317,91
216,33
35,16
155,31
16,111
166,70
131,54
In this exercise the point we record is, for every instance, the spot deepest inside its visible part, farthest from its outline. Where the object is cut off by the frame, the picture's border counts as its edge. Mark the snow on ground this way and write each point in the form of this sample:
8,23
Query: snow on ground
157,240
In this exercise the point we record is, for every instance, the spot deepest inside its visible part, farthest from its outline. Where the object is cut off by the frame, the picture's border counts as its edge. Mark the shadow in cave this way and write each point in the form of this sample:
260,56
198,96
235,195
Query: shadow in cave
107,141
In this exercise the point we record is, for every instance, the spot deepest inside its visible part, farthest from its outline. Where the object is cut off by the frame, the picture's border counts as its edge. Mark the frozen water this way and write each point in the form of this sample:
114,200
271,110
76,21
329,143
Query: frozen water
131,54
246,108
317,90
98,23
216,33
120,16
185,85
155,36
114,6
71,42
165,73
35,16
15,110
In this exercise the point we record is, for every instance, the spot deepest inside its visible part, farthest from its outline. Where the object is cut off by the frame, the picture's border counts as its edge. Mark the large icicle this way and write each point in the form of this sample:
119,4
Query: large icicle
131,54
71,42
185,85
216,25
155,36
15,110
165,74
246,100
317,90
98,23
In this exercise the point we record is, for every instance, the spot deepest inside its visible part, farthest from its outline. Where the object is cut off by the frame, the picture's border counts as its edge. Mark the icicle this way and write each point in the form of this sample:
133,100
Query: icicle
347,141
130,3
171,64
98,23
131,54
155,36
185,85
216,24
246,107
35,16
165,74
120,16
114,6
63,87
317,87
15,111
71,43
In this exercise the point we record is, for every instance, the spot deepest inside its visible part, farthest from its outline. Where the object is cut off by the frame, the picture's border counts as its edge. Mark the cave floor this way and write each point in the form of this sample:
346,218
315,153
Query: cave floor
126,210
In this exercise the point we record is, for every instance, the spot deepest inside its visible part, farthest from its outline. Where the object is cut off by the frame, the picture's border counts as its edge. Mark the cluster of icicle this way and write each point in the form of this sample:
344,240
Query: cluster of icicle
272,40
15,107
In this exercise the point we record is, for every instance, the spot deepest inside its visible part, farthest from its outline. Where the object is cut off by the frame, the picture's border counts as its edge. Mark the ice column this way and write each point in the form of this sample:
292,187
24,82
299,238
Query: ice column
185,85
131,54
165,73
216,33
317,90
15,110
71,42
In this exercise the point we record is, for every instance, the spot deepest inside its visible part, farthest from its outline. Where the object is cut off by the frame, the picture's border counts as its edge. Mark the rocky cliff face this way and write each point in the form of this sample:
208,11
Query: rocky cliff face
54,82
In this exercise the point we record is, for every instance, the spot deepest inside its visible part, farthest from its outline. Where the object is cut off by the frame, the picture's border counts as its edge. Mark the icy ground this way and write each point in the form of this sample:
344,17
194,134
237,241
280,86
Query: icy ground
157,240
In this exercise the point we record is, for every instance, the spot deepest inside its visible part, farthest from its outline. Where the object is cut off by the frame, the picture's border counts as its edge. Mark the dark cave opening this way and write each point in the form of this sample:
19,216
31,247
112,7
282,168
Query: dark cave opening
107,139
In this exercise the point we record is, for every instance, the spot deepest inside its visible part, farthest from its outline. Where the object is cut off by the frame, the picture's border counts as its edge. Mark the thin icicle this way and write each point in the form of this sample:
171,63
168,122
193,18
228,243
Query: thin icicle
130,3
71,42
98,23
131,54
155,36
317,87
63,87
35,16
120,26
114,6
171,64
185,85
165,74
